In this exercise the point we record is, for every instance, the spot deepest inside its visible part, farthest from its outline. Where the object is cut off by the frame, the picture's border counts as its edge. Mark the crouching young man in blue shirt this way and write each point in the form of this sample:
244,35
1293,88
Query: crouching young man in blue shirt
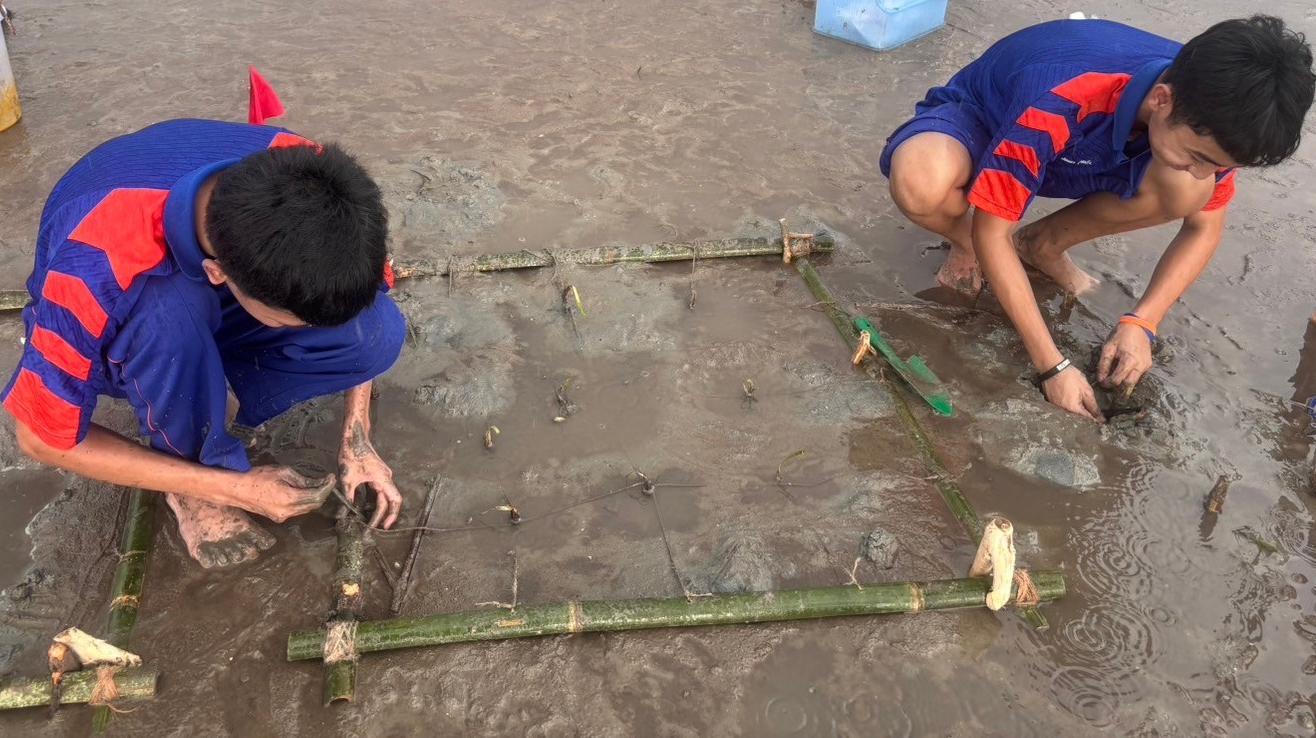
1137,128
188,259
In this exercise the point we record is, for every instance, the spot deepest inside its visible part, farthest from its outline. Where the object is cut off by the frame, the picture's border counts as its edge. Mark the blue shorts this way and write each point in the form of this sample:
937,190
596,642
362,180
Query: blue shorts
943,111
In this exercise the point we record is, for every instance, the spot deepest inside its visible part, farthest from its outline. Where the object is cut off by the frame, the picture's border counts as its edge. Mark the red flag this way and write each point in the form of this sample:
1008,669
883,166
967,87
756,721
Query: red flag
264,102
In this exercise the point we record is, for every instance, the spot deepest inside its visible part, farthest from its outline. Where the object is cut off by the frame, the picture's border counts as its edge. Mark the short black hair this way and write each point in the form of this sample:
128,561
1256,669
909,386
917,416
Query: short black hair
302,229
1247,83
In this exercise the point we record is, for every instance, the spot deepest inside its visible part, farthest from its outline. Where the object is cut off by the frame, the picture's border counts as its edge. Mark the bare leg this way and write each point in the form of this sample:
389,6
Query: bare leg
1164,195
929,174
216,535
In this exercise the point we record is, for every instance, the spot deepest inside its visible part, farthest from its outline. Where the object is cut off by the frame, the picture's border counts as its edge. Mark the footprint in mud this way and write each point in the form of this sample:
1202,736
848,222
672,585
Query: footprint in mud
480,355
438,200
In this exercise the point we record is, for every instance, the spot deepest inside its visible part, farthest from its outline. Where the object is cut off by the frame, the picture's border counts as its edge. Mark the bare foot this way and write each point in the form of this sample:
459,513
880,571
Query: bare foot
1061,269
960,272
216,535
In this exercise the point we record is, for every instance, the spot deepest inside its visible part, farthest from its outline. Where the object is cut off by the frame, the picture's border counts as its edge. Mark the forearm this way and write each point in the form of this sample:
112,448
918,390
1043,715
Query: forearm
356,416
358,463
109,457
1001,265
1180,265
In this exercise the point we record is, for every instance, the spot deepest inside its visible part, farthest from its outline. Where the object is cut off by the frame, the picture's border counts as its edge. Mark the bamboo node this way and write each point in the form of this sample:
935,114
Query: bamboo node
340,642
575,617
1026,594
125,601
916,593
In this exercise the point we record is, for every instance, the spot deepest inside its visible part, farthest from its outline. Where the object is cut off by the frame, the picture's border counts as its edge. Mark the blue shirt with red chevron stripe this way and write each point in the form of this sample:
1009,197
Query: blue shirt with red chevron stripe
1061,100
116,218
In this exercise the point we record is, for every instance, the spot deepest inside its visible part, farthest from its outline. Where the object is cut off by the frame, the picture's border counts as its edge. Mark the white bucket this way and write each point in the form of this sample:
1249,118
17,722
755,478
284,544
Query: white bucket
10,110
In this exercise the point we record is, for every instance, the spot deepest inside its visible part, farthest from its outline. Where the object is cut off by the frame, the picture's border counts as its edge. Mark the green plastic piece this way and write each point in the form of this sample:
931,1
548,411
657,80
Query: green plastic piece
915,372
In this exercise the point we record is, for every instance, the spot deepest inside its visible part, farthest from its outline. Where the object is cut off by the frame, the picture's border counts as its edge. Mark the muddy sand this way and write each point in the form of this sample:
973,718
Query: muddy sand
504,125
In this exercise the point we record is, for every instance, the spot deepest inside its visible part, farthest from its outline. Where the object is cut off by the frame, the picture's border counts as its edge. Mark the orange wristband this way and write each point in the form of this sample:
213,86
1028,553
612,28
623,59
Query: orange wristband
1142,323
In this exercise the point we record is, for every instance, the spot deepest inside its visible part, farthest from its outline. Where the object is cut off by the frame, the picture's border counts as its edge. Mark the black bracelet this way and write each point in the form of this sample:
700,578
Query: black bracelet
1043,376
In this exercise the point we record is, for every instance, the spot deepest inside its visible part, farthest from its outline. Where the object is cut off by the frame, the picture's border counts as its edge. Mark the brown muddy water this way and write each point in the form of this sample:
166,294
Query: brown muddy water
502,125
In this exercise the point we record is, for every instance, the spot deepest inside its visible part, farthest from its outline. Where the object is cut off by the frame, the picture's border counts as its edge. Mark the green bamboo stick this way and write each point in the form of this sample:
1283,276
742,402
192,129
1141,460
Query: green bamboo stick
950,491
135,543
133,684
340,676
13,299
649,253
598,616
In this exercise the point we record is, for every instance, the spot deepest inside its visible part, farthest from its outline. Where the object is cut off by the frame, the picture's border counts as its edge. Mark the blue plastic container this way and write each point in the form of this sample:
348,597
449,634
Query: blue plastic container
879,24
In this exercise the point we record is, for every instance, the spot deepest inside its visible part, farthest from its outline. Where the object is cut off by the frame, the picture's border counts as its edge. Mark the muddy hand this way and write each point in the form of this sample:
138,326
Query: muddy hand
1126,356
1069,390
279,492
359,464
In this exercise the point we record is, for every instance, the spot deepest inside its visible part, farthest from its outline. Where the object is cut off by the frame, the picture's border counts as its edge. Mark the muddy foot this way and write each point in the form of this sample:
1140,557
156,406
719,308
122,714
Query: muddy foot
960,272
216,535
1061,269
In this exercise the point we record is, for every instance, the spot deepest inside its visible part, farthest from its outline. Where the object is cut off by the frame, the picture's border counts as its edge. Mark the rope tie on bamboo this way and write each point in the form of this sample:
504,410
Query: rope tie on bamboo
340,642
1026,594
794,244
865,348
105,690
87,651
996,555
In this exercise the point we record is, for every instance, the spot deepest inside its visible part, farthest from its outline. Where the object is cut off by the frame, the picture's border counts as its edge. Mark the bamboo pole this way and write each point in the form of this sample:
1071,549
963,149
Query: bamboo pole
133,684
648,253
13,300
599,616
950,491
135,543
340,658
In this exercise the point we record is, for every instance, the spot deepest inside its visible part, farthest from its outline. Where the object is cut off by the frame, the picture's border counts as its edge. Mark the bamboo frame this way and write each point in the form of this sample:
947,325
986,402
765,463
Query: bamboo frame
135,544
349,602
13,300
133,684
603,255
950,491
529,621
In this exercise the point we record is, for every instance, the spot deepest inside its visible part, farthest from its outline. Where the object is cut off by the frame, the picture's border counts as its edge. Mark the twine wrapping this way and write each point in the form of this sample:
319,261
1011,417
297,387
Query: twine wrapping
105,691
1025,592
340,642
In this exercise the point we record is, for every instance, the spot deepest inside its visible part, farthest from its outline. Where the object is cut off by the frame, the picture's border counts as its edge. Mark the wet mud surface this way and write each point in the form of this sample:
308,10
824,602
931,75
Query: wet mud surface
498,126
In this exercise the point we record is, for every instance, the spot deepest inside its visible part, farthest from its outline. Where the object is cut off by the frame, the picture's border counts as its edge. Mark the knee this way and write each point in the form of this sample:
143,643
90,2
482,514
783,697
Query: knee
928,182
919,195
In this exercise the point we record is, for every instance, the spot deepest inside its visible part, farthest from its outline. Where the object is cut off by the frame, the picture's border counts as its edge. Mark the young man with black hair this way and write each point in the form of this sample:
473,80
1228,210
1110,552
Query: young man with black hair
1138,129
183,260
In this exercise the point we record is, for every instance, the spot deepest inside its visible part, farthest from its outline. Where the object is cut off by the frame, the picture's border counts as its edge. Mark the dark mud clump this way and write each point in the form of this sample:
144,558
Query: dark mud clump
881,547
742,562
